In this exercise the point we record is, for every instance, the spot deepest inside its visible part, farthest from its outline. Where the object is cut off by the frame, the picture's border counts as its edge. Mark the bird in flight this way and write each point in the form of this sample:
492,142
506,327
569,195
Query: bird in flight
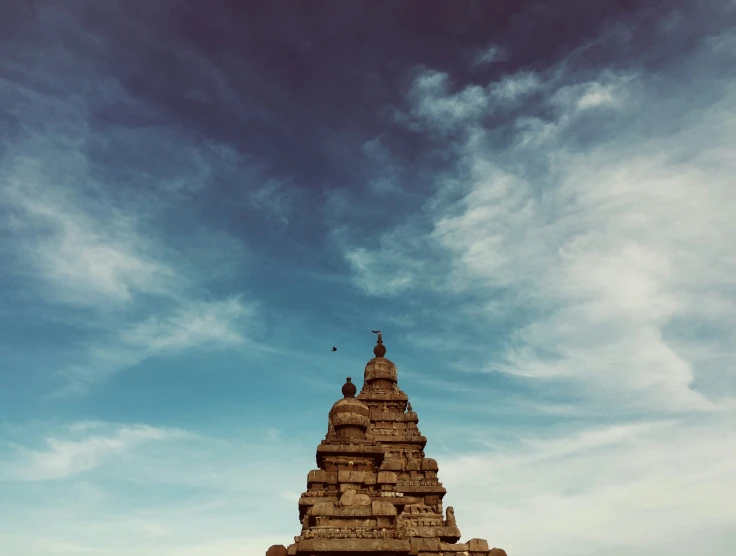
334,348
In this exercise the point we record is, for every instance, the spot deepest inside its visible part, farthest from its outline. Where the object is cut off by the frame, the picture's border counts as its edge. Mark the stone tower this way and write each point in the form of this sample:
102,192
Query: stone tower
374,492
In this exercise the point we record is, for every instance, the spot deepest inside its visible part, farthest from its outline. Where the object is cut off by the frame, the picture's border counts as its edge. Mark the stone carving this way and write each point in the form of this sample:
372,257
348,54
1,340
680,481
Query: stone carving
352,498
450,521
375,491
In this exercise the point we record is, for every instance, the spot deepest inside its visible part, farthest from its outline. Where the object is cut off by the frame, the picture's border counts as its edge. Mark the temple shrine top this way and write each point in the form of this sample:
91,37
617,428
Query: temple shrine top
374,492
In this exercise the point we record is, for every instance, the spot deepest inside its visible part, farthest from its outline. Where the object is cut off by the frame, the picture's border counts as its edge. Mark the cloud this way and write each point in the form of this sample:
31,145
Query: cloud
85,250
95,206
608,290
275,199
198,323
513,88
597,489
639,488
433,102
435,108
605,217
194,325
120,488
367,265
84,260
65,457
608,90
491,55
84,227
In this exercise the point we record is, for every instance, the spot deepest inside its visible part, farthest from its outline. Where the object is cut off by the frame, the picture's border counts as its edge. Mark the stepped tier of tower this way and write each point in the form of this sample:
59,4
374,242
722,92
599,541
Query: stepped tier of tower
374,492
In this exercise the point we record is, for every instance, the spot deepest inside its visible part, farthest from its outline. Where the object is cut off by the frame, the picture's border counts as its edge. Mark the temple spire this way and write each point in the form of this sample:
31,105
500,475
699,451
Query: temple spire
375,492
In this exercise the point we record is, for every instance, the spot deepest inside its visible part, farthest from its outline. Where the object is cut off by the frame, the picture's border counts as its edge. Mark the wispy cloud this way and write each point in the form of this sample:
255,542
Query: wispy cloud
83,199
435,107
602,490
625,485
82,248
64,457
147,487
82,259
200,325
384,170
612,236
275,199
202,322
492,54
433,101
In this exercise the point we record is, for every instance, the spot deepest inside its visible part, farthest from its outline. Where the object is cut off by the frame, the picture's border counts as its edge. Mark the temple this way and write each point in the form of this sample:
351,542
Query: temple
374,492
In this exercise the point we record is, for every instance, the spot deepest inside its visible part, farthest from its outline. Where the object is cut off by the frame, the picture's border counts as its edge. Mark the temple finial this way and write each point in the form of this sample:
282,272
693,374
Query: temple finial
379,350
349,390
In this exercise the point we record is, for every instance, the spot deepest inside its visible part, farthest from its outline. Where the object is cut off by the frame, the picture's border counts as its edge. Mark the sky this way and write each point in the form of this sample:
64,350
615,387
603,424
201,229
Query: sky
535,202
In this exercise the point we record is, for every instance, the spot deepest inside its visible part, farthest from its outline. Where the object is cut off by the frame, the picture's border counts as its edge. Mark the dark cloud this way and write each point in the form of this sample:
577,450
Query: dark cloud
300,84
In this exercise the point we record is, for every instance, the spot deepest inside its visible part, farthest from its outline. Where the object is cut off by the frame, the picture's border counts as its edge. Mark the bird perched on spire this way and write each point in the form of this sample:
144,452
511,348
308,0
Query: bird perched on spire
380,349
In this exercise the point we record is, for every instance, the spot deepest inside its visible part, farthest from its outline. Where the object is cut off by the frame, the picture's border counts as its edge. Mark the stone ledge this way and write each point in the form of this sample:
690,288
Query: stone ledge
352,545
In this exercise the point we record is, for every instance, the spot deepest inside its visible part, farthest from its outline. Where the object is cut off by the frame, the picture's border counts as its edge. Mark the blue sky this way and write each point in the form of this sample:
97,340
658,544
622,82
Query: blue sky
534,203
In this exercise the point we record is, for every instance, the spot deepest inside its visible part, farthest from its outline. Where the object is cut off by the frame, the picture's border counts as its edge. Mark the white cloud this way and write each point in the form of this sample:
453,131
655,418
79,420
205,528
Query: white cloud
515,87
491,55
433,102
367,265
609,90
69,456
149,490
84,259
202,325
91,201
195,324
613,243
605,269
596,96
435,108
86,233
640,489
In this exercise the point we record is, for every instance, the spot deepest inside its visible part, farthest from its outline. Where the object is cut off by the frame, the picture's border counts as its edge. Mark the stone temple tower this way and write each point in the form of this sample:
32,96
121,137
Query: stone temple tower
374,492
